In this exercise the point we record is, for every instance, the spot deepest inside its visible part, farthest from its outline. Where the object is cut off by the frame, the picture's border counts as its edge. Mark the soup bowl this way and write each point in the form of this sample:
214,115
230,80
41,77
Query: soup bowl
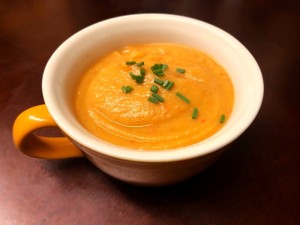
136,166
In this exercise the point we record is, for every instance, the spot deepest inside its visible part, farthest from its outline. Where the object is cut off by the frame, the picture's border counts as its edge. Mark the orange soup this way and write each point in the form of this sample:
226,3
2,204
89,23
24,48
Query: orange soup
154,97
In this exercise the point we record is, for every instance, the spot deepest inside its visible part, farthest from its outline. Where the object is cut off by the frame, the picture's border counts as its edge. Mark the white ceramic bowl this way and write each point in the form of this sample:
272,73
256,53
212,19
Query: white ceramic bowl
82,49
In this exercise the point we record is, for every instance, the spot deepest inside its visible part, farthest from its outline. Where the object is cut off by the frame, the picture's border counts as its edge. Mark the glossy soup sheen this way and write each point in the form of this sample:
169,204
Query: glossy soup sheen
131,120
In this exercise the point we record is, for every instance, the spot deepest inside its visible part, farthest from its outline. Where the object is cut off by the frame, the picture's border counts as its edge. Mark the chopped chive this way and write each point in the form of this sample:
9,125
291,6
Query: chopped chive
222,118
126,89
158,97
156,66
153,100
164,67
140,64
158,73
142,72
130,62
180,70
183,98
195,113
170,85
165,83
154,89
138,79
158,69
158,81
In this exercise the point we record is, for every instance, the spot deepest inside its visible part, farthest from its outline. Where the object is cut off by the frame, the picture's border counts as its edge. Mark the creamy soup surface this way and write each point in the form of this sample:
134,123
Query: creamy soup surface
115,102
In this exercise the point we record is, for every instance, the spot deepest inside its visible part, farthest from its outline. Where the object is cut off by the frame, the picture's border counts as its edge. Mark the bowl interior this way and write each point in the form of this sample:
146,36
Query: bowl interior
80,51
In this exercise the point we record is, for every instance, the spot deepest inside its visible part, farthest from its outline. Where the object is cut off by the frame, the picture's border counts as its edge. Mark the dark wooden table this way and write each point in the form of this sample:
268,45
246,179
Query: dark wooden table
256,182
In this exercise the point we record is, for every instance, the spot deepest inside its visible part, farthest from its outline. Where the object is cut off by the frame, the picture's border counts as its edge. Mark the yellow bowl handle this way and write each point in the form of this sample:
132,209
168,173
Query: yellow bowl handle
39,146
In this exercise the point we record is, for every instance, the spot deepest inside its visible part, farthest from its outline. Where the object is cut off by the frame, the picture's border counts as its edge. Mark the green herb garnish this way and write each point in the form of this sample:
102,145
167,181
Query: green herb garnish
195,113
180,70
158,69
165,83
158,97
126,89
153,100
222,118
158,81
164,67
183,98
140,64
156,66
138,78
158,73
142,72
154,89
170,85
129,63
